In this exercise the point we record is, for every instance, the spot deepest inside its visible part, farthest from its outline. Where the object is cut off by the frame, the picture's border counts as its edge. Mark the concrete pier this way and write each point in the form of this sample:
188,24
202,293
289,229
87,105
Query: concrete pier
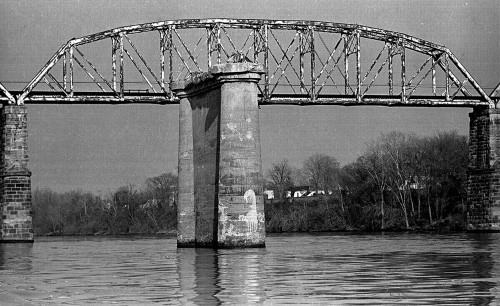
226,161
15,185
185,197
483,186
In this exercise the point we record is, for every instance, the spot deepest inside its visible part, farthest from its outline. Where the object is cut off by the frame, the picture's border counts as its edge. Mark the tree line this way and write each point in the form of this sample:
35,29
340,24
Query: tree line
401,181
129,209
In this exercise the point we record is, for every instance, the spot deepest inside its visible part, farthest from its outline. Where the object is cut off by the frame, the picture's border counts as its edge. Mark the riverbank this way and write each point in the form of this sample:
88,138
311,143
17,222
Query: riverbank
314,215
163,234
329,215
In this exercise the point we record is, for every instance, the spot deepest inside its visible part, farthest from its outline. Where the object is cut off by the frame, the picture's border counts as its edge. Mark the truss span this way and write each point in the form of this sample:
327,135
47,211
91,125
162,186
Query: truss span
305,62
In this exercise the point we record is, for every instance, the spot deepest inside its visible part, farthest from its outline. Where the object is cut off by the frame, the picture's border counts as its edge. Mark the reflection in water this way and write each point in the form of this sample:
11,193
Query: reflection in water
16,256
381,269
212,277
15,259
206,277
241,275
198,275
339,269
482,264
187,276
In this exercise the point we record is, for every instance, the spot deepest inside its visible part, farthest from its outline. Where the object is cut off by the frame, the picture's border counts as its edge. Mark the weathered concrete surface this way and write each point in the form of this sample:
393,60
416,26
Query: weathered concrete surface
203,100
206,111
185,198
227,169
241,202
483,188
15,186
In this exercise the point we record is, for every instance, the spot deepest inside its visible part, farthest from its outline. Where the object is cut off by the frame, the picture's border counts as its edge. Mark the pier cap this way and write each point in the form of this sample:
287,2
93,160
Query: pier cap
222,73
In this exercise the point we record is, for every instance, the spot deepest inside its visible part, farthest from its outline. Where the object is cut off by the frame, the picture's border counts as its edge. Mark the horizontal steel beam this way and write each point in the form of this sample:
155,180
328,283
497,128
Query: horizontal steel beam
349,100
378,101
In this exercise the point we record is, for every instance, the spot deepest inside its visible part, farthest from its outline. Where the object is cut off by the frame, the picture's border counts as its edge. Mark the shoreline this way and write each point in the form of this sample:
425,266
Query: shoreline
173,233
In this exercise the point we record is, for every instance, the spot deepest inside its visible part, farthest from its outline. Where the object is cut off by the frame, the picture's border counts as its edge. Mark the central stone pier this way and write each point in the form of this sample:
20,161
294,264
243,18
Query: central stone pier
220,200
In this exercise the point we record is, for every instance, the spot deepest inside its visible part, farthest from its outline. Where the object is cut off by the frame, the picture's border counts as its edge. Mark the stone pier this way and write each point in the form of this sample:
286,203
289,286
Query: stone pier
220,200
483,186
15,186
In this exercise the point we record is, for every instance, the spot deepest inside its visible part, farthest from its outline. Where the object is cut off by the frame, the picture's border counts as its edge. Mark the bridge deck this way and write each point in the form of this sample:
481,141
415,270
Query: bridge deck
277,99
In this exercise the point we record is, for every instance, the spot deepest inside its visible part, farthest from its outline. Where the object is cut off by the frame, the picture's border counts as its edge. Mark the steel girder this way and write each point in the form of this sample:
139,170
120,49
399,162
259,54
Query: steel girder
305,62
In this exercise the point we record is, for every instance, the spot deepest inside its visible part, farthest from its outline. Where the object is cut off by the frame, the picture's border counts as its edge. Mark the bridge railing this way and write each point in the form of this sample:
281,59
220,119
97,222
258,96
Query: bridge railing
304,62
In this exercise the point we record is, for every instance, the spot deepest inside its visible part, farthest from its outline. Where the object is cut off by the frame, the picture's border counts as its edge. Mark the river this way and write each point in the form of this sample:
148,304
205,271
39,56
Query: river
326,269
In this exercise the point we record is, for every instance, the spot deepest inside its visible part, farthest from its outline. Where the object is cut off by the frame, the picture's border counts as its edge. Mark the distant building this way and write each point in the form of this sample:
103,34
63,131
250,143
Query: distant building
269,194
298,192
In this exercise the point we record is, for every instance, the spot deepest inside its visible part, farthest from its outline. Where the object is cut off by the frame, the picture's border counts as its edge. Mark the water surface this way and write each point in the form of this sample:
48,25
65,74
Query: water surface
333,269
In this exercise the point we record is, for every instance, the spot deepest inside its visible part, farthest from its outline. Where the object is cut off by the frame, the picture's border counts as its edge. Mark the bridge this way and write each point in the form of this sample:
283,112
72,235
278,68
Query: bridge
219,71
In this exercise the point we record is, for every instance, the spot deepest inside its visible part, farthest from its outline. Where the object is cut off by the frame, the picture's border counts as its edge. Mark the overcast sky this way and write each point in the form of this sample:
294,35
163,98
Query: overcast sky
98,148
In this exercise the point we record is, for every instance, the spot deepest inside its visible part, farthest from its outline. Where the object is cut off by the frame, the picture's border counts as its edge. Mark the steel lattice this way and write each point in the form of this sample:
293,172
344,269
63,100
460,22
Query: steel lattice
305,62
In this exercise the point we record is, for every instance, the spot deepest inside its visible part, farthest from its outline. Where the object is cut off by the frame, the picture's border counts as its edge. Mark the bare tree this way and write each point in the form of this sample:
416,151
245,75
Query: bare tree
298,177
280,176
322,171
163,187
446,160
373,162
396,153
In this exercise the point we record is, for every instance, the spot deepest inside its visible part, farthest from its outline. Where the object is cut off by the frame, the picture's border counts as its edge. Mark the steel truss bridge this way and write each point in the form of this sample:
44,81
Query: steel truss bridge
305,62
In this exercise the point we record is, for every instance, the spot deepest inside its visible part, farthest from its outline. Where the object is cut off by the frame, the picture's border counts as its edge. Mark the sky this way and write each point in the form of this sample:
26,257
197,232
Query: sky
98,148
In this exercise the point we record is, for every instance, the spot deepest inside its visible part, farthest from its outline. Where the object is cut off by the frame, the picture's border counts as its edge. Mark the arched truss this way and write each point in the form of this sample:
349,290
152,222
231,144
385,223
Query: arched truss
305,62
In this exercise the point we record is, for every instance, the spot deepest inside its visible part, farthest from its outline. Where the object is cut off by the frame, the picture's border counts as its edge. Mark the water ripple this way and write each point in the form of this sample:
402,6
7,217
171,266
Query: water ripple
345,269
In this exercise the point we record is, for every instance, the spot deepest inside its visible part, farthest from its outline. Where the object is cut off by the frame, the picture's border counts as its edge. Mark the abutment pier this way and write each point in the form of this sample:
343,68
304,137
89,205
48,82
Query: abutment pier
483,185
15,183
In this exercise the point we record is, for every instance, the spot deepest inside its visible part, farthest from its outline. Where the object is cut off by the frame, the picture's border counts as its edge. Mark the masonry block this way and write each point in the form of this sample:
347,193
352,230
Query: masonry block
483,188
15,184
226,199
